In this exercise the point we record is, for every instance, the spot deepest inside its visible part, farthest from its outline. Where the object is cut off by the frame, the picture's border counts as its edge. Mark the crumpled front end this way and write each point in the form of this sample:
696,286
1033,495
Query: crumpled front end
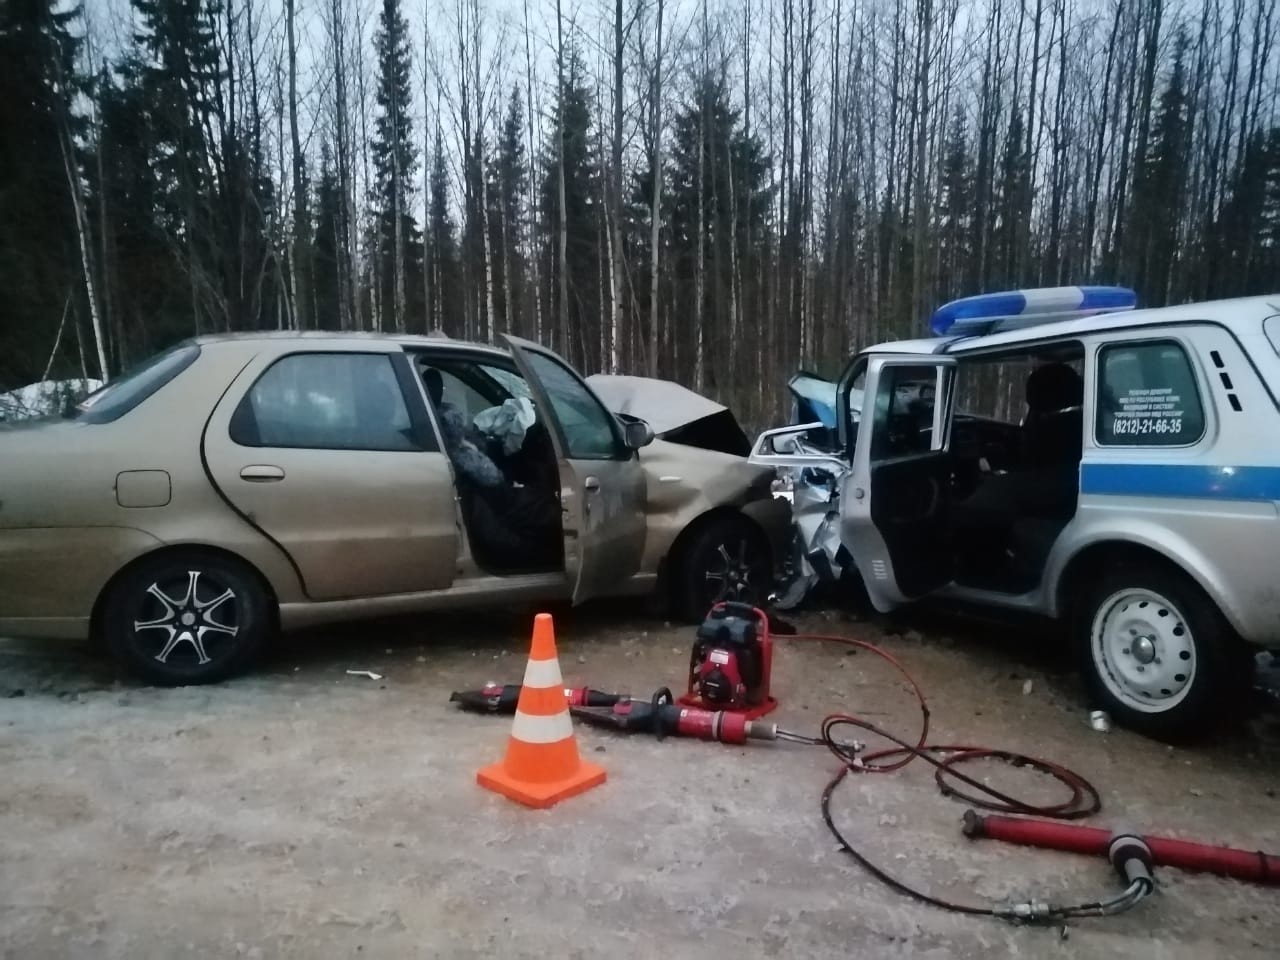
685,482
815,554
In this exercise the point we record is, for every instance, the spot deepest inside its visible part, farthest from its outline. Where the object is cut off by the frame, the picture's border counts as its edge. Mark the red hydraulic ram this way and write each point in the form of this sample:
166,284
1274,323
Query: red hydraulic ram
1241,864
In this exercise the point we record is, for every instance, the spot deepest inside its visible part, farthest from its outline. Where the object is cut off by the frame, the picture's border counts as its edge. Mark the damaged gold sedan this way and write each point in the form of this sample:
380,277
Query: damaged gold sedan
240,484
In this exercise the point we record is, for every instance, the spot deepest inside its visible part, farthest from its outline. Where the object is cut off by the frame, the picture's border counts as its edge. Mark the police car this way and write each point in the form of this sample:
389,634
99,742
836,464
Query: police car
1060,452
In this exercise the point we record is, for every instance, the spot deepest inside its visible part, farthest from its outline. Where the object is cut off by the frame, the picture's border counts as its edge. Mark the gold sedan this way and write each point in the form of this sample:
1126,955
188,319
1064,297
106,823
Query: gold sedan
236,485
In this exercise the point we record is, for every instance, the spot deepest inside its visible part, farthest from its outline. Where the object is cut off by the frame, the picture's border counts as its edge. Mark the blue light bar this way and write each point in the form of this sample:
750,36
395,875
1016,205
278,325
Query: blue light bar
1011,309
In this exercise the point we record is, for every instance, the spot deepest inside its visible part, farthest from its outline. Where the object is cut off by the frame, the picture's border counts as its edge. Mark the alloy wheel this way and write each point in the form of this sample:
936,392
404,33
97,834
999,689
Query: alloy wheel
730,575
186,620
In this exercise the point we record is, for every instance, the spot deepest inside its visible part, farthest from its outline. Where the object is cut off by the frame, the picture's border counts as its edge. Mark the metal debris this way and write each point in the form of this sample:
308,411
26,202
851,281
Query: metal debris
365,673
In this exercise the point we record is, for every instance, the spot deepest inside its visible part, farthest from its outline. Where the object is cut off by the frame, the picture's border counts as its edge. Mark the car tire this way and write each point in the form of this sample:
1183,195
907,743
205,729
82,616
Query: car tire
727,558
1157,654
187,618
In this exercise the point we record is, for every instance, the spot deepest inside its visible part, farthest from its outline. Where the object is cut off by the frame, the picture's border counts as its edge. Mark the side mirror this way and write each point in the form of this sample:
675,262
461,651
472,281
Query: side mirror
638,434
786,443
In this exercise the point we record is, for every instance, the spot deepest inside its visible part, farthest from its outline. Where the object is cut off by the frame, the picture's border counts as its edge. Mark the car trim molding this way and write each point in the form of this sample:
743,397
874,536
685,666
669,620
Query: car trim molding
1192,481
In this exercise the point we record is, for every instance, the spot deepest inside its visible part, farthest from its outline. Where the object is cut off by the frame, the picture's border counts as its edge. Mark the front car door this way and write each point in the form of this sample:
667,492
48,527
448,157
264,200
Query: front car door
895,499
602,485
330,454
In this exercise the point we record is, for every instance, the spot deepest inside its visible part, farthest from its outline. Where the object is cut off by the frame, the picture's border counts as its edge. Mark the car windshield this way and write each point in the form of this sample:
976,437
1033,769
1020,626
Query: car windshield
121,395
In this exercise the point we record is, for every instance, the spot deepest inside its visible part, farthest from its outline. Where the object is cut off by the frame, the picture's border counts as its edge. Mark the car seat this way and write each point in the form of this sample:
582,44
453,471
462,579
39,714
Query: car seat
1052,431
1052,445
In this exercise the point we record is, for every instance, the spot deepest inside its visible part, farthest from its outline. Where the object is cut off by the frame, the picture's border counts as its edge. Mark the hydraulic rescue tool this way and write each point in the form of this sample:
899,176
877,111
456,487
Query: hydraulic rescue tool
502,698
732,661
1166,852
662,717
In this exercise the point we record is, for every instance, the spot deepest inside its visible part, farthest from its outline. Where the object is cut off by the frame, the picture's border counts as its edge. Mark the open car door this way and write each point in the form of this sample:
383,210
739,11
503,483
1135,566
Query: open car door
602,485
895,499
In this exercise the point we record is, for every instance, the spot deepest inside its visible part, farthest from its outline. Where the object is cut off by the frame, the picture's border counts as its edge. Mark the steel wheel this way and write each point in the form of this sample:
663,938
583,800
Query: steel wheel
186,618
1157,653
1144,650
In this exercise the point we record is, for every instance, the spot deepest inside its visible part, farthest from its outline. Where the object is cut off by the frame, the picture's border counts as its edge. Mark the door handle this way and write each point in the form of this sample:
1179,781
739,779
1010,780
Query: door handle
591,483
261,473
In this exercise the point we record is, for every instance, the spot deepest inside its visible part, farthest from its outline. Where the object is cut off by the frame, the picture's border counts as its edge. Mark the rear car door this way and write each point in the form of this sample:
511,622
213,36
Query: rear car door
330,454
896,498
602,485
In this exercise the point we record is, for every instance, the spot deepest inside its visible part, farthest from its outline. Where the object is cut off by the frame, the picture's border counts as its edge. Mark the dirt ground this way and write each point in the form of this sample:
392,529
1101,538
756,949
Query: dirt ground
305,812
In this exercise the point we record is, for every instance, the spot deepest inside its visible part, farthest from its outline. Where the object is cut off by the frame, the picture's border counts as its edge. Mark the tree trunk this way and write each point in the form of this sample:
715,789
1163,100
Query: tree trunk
563,225
84,237
655,206
616,270
301,218
699,318
533,258
487,325
920,215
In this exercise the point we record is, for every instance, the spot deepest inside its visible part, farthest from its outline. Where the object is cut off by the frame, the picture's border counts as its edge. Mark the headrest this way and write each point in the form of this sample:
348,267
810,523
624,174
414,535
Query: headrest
1054,386
435,384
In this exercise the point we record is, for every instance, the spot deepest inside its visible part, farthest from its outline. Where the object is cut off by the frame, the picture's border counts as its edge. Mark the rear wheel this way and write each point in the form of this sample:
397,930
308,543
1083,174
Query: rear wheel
187,618
727,559
1157,653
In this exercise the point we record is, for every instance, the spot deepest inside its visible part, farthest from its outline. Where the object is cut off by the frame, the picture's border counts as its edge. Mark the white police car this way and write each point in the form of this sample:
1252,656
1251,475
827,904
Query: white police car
1060,452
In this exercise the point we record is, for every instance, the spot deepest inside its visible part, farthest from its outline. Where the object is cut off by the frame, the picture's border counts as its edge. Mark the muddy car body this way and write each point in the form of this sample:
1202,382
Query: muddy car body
238,484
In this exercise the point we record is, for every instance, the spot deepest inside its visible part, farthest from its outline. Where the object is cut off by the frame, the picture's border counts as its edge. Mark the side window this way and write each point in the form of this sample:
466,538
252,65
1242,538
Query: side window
903,412
1271,327
326,401
511,381
590,431
119,396
1147,396
461,396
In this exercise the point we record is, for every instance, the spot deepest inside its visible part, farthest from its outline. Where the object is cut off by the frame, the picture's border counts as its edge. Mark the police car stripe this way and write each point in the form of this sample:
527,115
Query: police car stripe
1180,480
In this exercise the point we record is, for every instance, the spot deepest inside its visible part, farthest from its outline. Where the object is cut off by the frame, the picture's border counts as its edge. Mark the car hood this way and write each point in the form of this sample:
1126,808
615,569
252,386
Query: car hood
676,413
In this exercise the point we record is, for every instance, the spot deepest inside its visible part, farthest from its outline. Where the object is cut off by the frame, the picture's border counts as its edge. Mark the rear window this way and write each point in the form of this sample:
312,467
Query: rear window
115,399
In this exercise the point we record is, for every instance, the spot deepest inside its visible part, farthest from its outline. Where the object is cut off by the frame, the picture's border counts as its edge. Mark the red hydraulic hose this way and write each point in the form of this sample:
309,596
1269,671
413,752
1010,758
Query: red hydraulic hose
1241,864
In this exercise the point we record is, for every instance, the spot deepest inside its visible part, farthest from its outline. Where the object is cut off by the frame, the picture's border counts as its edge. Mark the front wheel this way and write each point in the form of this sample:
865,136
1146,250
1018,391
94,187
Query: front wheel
186,618
1157,653
728,559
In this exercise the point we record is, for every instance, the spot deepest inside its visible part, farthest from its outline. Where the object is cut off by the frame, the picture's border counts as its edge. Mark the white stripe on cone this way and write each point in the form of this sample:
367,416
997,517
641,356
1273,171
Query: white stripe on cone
543,673
534,729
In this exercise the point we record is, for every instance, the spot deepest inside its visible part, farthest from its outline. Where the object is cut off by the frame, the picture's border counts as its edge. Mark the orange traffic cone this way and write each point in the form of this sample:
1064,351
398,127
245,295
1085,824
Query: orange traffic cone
542,765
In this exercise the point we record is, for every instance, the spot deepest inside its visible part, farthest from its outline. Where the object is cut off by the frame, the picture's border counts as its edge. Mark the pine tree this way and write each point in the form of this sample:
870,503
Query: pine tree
445,312
330,239
394,162
733,168
1157,190
955,214
584,305
38,266
508,185
1012,201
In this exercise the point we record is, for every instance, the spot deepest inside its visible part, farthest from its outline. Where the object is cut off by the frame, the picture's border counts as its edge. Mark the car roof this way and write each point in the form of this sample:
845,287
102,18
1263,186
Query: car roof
1241,315
354,337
